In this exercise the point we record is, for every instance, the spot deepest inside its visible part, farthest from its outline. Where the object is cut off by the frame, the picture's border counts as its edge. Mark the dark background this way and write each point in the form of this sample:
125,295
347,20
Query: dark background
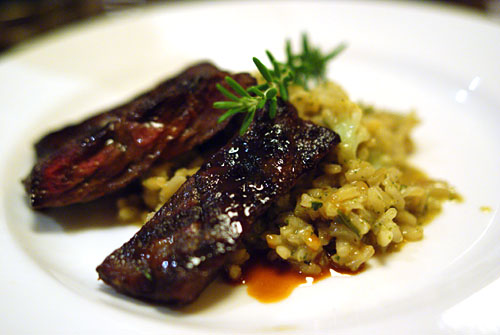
22,19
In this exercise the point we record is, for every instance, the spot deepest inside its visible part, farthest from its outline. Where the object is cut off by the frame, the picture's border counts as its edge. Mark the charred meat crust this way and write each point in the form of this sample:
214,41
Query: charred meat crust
106,152
182,248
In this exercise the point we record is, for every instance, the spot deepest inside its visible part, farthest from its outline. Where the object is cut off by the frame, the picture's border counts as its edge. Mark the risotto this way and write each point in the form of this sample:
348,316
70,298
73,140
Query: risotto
363,199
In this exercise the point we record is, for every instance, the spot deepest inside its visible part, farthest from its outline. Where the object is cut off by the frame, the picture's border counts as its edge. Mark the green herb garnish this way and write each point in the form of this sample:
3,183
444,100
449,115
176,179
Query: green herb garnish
300,69
344,219
255,97
145,272
316,205
310,64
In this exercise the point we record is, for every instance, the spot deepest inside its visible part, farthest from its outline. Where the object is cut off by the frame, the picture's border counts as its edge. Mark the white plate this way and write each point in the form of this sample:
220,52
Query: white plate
402,56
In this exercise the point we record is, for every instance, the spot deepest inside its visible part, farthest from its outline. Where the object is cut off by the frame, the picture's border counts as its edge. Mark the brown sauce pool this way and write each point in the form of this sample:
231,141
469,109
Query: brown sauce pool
272,282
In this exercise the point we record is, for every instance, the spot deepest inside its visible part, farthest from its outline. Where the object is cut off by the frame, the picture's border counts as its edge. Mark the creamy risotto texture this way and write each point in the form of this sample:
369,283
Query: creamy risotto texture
362,200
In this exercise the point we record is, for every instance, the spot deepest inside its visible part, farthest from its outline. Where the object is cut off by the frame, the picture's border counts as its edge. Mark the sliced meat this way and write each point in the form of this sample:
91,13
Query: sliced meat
106,152
182,248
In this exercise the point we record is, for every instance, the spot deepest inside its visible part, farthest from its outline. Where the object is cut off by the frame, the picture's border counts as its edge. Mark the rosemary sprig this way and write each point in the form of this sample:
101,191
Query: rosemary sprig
255,97
300,69
310,64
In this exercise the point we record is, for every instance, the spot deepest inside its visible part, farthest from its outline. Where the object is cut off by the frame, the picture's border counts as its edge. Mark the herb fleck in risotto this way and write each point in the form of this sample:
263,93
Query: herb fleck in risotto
363,199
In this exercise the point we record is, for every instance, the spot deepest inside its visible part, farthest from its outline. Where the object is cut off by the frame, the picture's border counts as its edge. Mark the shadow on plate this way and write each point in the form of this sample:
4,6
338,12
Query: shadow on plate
98,214
214,294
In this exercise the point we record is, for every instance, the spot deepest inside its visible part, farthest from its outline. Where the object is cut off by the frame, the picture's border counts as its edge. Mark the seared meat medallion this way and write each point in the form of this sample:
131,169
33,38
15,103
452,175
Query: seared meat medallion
105,153
182,248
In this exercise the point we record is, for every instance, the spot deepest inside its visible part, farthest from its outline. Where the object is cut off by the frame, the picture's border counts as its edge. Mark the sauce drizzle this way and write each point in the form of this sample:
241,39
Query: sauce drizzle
270,282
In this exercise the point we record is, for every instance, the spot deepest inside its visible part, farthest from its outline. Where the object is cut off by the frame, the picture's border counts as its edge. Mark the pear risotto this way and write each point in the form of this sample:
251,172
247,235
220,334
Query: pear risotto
362,200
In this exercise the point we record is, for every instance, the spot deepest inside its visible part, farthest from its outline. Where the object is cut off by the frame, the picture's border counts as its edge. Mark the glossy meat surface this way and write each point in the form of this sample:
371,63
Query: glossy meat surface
182,248
106,152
